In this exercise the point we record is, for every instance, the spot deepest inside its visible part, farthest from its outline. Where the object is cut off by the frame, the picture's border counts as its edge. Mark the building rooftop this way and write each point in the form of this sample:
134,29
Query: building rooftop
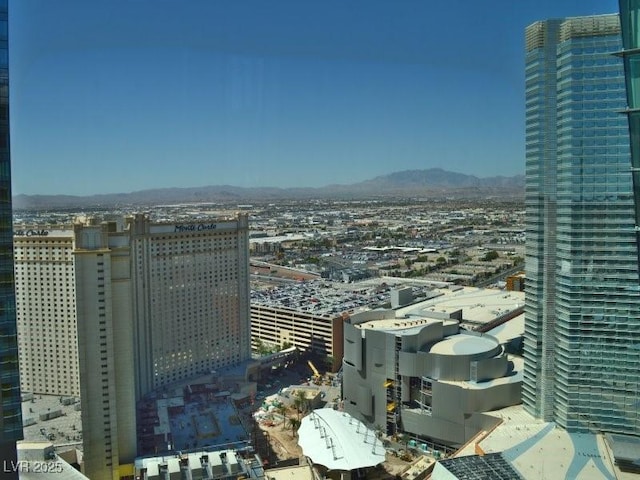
515,377
478,305
626,451
510,330
298,472
280,238
37,460
54,418
24,232
400,325
464,345
543,451
475,467
326,298
338,441
201,464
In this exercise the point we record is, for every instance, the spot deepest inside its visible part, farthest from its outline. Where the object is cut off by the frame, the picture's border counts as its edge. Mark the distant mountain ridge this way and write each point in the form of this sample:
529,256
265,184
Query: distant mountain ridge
433,182
439,178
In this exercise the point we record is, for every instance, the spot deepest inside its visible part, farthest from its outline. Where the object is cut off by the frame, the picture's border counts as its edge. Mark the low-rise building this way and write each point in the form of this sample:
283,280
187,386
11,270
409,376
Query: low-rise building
38,460
425,377
309,315
219,464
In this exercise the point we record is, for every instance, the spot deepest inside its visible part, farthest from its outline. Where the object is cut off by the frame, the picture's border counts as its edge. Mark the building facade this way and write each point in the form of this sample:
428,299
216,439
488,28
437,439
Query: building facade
424,377
10,406
191,294
308,331
582,327
309,315
46,311
629,12
111,312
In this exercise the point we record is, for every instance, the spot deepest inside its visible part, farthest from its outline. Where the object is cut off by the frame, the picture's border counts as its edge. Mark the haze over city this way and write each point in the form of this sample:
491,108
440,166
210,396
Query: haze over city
119,96
269,240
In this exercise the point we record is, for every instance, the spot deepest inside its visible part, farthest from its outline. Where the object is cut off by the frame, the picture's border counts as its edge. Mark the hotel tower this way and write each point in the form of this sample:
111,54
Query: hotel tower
582,327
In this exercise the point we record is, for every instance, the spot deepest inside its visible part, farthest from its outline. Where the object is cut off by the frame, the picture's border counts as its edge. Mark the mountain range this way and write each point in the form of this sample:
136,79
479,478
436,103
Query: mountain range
433,182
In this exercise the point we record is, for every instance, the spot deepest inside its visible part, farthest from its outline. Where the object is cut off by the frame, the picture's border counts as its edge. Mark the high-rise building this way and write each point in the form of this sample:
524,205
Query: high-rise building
110,312
629,13
582,329
46,311
10,414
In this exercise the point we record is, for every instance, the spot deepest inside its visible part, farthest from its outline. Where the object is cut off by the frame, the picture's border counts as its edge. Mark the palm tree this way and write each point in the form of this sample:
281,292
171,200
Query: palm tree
282,410
294,423
297,404
300,402
404,438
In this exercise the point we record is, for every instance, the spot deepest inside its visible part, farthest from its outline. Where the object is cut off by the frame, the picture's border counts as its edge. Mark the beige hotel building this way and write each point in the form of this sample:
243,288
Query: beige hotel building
111,311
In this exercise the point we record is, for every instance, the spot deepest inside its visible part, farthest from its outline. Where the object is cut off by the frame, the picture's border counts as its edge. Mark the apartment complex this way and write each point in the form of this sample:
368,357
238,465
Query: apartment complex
10,413
582,299
114,310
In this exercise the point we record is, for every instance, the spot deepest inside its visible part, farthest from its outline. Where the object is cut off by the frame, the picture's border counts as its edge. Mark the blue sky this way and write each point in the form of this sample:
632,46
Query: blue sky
121,95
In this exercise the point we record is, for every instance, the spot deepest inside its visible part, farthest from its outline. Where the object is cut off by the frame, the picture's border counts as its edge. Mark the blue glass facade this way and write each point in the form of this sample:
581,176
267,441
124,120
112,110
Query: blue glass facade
582,333
10,413
629,18
541,138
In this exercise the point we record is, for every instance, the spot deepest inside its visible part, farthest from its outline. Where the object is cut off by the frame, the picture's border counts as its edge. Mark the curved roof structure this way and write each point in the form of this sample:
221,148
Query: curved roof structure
338,441
463,344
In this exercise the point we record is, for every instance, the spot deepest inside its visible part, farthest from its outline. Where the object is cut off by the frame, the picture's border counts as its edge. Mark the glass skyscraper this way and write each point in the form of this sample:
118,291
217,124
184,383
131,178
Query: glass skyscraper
629,18
582,327
10,414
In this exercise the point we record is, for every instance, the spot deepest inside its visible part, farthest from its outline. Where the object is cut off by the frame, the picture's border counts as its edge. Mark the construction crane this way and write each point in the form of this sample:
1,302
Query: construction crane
316,373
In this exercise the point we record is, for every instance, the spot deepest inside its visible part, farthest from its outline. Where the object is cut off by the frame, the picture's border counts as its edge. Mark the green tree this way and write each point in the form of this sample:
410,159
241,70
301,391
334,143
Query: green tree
294,423
517,260
282,410
404,439
300,402
328,361
490,255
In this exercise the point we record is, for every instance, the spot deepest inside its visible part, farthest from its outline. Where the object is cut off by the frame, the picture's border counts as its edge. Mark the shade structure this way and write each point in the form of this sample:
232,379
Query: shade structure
338,441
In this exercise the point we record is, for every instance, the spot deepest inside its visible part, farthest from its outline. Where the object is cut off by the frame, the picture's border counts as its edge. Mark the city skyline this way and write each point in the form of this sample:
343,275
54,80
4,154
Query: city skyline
273,95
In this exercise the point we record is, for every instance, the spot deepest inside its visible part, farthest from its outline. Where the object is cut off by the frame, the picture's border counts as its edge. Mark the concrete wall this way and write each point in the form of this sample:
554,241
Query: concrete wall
489,368
451,367
428,334
401,297
96,360
353,346
441,430
123,333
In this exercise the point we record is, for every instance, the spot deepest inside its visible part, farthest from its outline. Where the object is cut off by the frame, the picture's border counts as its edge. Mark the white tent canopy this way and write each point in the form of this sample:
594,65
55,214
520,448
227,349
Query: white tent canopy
338,441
